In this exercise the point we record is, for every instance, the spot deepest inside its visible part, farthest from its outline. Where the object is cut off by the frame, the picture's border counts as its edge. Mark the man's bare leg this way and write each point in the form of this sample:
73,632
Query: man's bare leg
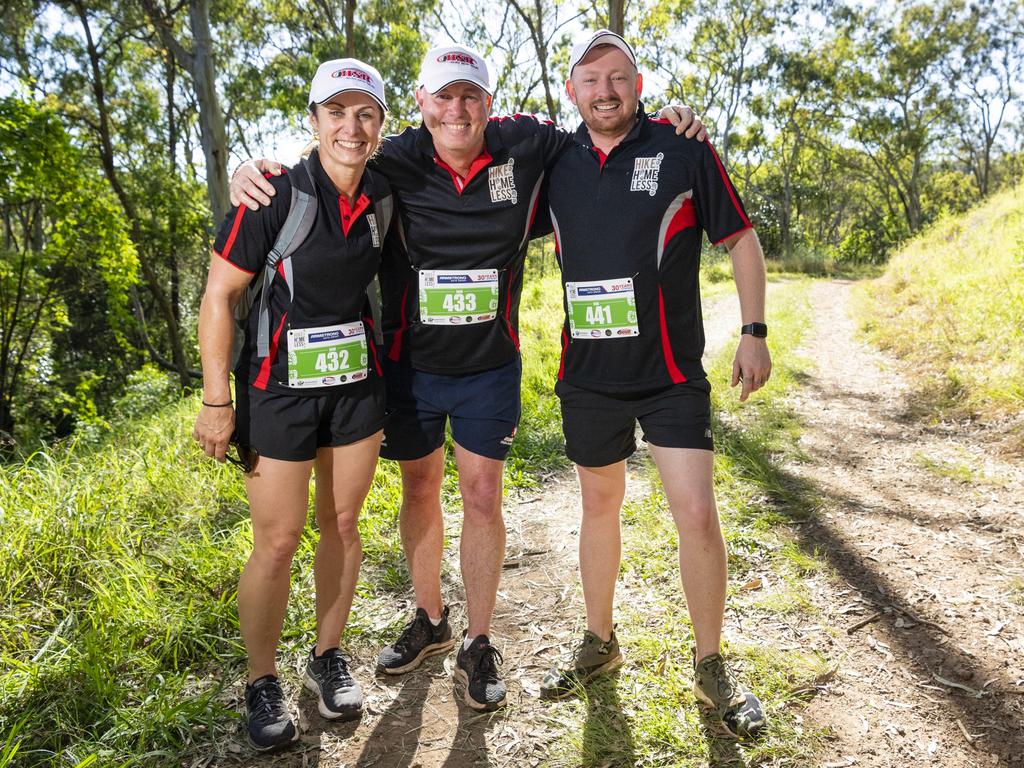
687,477
602,489
482,549
422,528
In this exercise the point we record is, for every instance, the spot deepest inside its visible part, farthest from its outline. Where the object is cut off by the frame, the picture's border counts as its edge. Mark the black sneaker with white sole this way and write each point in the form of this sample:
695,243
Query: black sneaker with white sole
340,697
476,668
419,639
270,726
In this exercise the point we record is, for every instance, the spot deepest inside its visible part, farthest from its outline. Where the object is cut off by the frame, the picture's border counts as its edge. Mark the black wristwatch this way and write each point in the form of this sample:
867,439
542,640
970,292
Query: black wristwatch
757,330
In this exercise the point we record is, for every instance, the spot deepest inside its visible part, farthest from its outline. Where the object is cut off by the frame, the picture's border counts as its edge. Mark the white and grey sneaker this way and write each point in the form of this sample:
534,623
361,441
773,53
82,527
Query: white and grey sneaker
340,697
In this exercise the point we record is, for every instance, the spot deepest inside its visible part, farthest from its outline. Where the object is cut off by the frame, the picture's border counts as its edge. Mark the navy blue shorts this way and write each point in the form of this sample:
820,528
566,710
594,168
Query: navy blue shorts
599,427
483,408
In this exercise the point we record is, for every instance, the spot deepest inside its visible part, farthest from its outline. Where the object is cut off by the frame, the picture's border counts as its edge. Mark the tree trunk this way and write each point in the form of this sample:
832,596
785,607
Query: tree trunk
617,16
211,119
350,28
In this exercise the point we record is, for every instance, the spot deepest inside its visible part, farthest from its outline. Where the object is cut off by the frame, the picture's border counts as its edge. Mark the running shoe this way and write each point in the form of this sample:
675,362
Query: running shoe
270,726
591,657
419,639
476,668
717,689
340,696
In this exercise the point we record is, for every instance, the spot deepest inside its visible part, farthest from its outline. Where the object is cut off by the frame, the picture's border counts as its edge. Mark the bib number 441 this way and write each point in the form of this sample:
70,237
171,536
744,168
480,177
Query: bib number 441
599,314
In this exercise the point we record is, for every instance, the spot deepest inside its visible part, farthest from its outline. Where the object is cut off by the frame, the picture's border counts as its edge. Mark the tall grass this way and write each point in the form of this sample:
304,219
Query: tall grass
951,303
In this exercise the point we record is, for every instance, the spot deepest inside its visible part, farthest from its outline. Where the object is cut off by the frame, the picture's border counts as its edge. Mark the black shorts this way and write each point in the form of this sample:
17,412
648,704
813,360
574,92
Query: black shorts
599,427
293,427
483,408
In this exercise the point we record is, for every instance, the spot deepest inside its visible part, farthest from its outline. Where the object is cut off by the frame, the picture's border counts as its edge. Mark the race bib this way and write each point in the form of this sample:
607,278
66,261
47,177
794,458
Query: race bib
327,356
458,296
602,309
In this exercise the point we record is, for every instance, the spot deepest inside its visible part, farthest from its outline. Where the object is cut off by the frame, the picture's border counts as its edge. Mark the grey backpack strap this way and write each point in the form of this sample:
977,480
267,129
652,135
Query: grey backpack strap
296,229
383,210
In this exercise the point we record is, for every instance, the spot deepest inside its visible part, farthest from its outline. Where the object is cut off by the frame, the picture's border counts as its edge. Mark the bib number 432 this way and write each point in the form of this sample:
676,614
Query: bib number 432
332,361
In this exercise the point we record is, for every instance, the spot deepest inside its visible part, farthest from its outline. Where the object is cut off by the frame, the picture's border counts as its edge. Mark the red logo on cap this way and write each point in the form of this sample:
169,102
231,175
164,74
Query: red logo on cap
354,74
457,58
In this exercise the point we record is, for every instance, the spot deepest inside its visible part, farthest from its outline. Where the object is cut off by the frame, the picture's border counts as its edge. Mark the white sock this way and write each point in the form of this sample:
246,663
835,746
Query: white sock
436,622
467,642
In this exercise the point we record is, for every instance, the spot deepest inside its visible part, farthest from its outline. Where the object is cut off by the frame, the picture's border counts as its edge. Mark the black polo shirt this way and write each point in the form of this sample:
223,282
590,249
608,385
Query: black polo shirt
445,222
330,270
639,213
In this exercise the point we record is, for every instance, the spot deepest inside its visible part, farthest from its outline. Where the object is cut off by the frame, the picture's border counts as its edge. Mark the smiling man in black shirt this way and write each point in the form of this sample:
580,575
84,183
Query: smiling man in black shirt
630,205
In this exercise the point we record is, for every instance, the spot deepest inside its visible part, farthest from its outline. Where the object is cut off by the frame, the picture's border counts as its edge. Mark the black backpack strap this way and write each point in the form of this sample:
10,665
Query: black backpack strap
295,230
383,212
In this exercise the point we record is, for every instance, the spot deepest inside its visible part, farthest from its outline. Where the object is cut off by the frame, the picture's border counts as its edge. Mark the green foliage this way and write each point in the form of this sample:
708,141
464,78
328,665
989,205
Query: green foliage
65,271
957,320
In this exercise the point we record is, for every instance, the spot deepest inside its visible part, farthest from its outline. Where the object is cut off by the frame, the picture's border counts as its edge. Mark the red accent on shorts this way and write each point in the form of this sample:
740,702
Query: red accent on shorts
684,218
481,162
396,343
268,361
729,189
565,346
348,214
508,310
666,346
239,213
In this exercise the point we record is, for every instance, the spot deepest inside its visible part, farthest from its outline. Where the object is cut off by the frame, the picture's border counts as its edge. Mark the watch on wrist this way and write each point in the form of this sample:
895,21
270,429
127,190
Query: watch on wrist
757,330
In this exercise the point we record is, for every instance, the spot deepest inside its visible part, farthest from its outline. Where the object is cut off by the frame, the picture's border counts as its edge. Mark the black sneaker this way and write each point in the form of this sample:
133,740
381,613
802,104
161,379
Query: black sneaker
340,696
419,639
591,657
477,669
270,727
718,690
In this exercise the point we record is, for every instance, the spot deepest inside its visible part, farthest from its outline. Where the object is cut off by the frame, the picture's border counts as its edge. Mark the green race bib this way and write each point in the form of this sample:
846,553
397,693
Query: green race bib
602,309
458,297
328,356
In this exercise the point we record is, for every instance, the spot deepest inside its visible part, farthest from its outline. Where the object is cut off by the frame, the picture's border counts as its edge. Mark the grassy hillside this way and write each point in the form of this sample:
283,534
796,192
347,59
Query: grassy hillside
951,303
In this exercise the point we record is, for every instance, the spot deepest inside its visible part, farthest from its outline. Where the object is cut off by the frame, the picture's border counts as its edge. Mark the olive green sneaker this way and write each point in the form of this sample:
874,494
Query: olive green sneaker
592,656
717,689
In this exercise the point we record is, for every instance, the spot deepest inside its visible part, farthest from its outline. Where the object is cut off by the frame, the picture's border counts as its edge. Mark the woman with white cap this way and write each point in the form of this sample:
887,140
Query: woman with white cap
308,392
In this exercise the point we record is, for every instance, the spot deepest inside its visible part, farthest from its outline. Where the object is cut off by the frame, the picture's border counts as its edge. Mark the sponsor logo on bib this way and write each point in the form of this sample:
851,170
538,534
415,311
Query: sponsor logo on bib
502,183
645,174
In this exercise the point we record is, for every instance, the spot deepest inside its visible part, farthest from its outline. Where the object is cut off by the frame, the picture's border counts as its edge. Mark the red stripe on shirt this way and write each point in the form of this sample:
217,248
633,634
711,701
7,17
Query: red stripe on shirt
239,213
684,218
236,266
396,342
368,321
666,345
728,187
268,361
508,310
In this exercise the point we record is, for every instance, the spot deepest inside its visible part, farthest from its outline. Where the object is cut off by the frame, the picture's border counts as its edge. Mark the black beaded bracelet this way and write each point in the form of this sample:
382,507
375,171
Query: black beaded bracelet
218,405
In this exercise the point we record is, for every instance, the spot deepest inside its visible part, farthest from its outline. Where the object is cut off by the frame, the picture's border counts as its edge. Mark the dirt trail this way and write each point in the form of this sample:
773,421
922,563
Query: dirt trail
922,526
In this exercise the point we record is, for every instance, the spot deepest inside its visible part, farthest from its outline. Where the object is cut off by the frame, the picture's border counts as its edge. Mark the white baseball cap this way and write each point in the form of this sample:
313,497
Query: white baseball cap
601,37
454,64
340,75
